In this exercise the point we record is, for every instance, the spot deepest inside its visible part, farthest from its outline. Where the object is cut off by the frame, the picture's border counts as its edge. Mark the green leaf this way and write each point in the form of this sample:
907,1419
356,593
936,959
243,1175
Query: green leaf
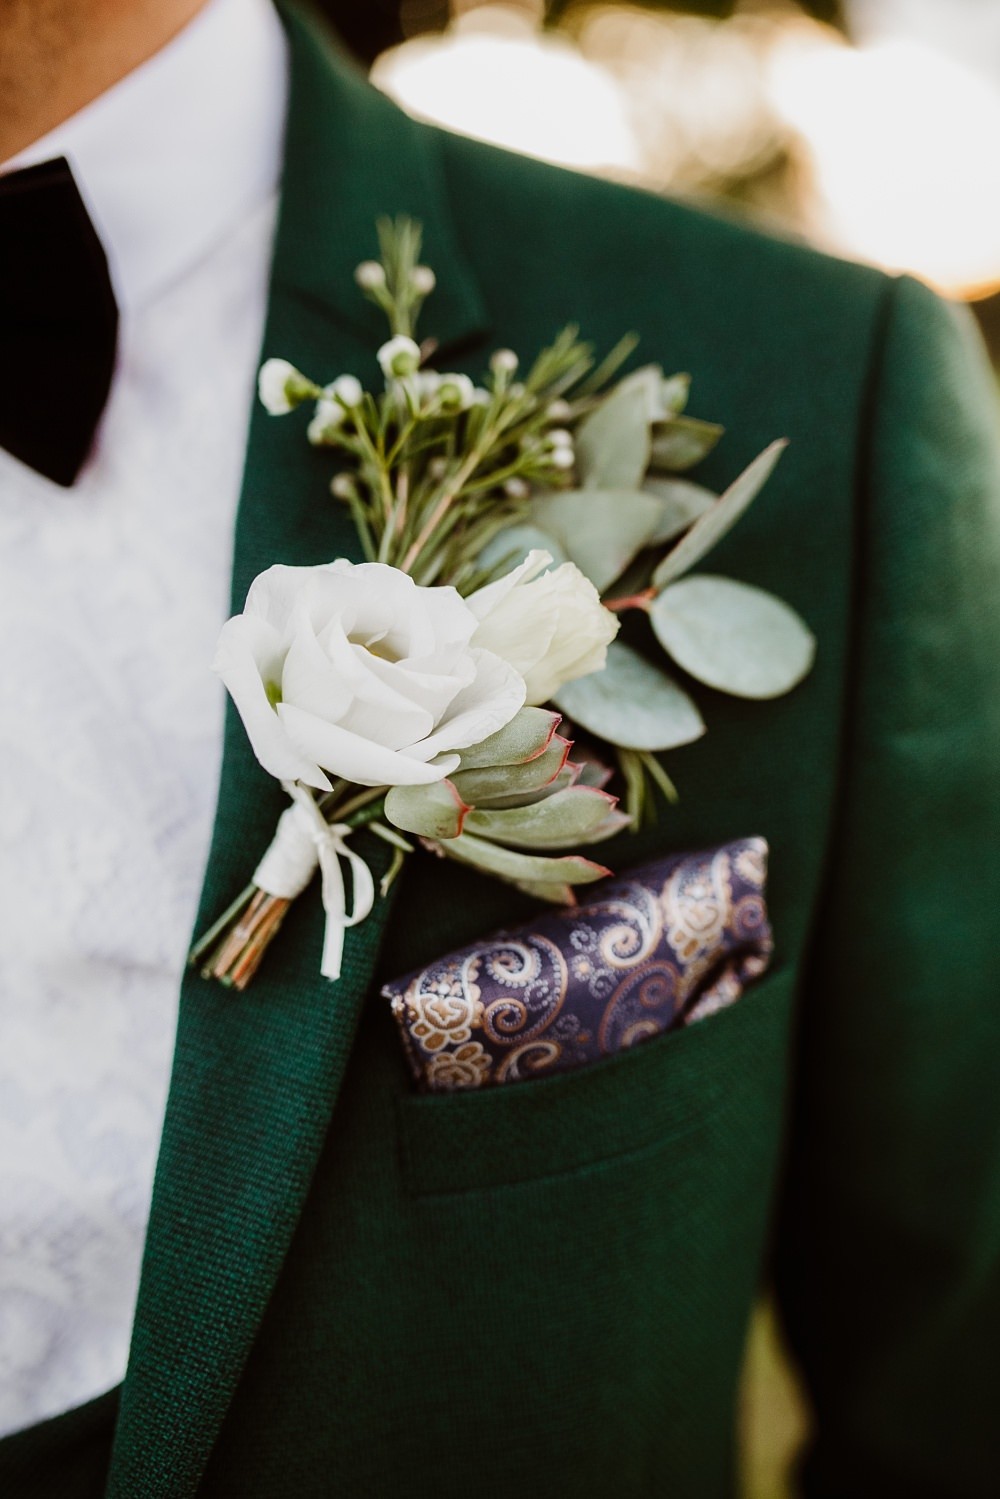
681,504
599,530
683,441
613,440
510,864
529,734
566,820
478,786
559,894
674,394
733,637
568,776
434,811
509,548
632,703
711,527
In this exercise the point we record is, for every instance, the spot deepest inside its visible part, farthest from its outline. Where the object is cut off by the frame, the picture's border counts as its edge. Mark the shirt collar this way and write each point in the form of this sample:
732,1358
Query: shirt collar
182,149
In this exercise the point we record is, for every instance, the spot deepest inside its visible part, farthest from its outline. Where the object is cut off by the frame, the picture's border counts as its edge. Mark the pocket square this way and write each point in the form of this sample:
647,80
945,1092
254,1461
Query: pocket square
660,947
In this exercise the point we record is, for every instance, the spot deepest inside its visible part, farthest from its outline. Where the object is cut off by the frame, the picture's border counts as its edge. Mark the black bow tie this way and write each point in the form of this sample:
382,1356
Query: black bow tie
58,321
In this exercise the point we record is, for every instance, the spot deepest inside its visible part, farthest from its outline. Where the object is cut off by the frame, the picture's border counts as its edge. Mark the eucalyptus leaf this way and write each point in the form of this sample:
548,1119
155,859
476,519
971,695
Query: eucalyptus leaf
511,864
683,441
434,811
478,786
681,504
733,637
632,703
711,527
510,547
566,820
613,440
529,733
648,380
599,530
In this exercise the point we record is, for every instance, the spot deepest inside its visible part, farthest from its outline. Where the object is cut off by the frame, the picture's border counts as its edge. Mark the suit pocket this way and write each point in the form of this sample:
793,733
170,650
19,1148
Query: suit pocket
662,1092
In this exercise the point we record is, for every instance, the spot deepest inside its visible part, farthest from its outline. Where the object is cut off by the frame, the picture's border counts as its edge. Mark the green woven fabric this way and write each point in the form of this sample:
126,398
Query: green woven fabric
350,1289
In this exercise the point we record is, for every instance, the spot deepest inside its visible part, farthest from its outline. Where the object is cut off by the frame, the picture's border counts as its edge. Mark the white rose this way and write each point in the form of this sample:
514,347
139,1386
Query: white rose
354,671
550,626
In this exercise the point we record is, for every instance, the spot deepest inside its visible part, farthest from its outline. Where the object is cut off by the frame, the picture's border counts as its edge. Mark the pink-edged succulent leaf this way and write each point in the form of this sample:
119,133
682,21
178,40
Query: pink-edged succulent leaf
435,811
522,868
566,820
480,786
528,735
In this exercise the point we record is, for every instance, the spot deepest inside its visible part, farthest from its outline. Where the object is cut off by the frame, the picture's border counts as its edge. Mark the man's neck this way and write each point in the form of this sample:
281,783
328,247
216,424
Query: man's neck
56,56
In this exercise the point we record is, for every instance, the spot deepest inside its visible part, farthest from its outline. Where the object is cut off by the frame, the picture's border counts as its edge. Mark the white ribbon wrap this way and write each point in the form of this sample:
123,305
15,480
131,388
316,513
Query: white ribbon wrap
303,841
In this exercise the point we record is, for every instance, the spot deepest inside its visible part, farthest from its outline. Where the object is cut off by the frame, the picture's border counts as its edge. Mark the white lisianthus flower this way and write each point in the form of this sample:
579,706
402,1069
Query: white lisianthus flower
549,625
281,386
399,357
355,671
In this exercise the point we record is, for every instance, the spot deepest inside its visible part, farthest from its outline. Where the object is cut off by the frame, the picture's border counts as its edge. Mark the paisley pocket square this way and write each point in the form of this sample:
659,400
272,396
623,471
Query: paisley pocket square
660,947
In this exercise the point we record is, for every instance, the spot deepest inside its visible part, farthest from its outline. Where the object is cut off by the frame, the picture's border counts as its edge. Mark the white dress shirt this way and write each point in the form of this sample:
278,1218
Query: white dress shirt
111,597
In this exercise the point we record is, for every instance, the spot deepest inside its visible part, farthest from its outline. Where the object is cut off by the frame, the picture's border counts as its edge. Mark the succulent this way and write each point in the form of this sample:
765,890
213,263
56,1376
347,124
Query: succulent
517,794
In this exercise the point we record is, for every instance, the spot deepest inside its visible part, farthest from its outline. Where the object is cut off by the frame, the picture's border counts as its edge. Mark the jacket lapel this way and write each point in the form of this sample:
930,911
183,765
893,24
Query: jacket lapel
256,1077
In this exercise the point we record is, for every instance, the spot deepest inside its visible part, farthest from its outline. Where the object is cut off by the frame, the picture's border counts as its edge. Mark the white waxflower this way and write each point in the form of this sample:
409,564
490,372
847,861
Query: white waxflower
504,362
347,389
561,458
560,411
329,416
423,280
426,383
560,438
355,671
399,357
550,625
517,489
281,386
369,275
456,392
343,487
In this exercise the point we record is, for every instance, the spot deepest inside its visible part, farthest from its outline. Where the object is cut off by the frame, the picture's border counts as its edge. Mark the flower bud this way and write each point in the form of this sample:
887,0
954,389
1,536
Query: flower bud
322,429
281,386
343,487
456,392
504,362
423,280
369,275
517,489
560,438
347,389
399,357
559,411
562,458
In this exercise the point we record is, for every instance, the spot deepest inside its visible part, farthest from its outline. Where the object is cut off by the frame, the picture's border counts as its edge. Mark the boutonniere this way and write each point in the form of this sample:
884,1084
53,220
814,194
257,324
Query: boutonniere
463,690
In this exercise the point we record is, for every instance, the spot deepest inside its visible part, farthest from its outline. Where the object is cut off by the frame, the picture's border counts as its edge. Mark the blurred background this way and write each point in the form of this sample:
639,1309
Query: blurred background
869,127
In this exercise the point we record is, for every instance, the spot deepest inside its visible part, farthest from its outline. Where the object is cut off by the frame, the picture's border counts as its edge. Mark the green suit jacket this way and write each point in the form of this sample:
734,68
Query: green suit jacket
544,1289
